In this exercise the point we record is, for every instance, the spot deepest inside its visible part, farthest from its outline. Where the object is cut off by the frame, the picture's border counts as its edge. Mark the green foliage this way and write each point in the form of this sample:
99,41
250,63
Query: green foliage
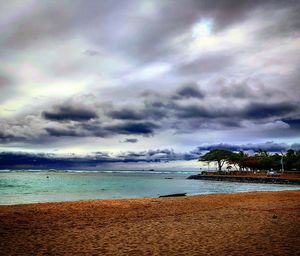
292,160
217,155
260,161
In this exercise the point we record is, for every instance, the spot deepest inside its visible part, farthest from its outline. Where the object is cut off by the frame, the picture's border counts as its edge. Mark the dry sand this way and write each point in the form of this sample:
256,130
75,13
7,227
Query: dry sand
239,224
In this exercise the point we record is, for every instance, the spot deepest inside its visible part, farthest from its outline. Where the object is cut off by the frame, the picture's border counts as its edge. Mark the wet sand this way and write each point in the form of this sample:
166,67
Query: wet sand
262,223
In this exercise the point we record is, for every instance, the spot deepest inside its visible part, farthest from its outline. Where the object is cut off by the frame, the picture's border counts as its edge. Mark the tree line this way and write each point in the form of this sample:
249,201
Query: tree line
262,160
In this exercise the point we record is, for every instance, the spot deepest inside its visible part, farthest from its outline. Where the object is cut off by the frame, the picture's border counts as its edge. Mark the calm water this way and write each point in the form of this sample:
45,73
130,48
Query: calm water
30,187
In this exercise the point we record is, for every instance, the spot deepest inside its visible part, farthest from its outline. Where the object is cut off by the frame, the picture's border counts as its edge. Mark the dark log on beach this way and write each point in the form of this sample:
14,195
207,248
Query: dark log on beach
174,195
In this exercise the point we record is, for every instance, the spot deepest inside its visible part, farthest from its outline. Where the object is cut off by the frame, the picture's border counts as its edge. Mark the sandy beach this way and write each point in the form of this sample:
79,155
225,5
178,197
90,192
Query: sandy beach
260,223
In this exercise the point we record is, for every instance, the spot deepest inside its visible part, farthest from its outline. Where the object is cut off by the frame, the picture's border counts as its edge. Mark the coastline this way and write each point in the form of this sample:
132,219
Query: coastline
247,179
266,223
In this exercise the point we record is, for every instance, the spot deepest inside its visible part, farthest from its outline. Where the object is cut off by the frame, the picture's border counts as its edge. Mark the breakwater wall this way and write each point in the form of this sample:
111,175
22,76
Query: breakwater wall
265,180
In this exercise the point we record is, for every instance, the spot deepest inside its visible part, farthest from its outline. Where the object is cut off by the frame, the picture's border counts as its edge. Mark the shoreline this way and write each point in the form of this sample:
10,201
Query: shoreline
247,179
168,196
265,223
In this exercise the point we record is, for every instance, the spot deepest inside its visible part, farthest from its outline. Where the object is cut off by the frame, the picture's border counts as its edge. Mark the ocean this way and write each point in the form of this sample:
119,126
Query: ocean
23,187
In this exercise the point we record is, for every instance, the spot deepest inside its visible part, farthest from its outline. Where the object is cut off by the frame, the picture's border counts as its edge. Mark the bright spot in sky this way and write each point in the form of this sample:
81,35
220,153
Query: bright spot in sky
202,29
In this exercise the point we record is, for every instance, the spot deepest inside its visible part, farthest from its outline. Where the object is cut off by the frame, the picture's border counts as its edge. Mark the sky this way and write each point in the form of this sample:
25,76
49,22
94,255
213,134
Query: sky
162,79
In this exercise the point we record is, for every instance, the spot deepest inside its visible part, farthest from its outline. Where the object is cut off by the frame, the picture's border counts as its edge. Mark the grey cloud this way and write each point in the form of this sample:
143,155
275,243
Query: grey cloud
172,19
38,24
139,36
196,111
104,131
141,128
268,146
42,21
9,137
97,19
100,154
7,85
206,64
254,110
287,21
129,34
293,123
130,140
158,155
125,114
62,132
259,110
69,113
13,160
246,89
295,146
46,161
166,111
227,13
189,91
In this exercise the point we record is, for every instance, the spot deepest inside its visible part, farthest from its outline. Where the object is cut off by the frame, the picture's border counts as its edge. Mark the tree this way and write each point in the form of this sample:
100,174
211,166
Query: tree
217,155
236,158
250,162
292,160
260,161
267,161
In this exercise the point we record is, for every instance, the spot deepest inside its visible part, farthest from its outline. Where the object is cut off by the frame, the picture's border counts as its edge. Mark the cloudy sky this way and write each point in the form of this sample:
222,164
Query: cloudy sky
139,76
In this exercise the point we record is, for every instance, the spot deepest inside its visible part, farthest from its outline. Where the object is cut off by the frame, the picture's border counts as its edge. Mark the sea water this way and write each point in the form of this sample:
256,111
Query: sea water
22,187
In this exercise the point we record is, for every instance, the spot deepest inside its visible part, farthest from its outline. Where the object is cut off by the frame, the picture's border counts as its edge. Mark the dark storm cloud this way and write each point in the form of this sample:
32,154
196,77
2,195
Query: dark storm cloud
189,91
196,111
267,110
158,155
268,146
295,146
62,132
257,111
141,34
104,131
69,113
130,140
40,161
218,117
230,122
198,115
125,114
164,110
141,128
293,123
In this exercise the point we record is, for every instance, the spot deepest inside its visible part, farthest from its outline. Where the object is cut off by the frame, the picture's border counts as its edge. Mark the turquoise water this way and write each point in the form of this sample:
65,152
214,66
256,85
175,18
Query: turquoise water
33,187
